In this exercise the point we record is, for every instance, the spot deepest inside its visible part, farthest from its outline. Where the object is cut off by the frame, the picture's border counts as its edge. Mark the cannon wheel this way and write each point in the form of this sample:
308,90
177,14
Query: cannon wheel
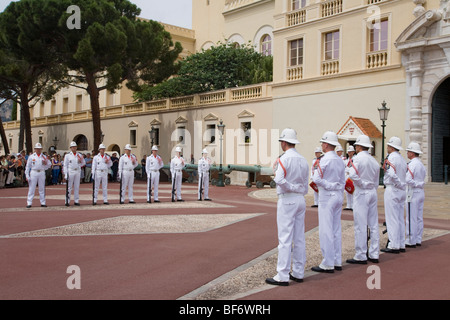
213,181
248,184
273,184
259,184
227,181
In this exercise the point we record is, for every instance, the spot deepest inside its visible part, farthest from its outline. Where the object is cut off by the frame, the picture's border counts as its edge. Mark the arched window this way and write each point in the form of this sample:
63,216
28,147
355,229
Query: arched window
266,45
82,142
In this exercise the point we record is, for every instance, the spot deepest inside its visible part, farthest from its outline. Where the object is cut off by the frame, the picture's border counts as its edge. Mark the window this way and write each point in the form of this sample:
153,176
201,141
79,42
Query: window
181,134
296,52
378,38
247,128
211,133
331,45
266,45
133,137
297,4
156,140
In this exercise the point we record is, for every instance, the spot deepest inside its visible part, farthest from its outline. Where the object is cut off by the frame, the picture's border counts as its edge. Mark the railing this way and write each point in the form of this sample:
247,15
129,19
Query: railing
296,17
232,95
330,67
331,8
377,59
295,73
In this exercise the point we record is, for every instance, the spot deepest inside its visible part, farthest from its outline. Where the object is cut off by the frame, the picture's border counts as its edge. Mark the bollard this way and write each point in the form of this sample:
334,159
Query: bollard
446,174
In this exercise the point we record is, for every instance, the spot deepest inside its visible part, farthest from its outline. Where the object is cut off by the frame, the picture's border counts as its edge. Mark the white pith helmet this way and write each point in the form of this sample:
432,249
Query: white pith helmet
414,147
396,143
363,141
290,136
331,138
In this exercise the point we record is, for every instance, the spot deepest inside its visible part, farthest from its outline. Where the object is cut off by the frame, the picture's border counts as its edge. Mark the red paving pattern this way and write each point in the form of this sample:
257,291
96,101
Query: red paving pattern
168,266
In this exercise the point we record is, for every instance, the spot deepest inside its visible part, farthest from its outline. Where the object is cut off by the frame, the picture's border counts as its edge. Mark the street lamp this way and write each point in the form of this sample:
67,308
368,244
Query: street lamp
152,135
221,128
384,112
55,143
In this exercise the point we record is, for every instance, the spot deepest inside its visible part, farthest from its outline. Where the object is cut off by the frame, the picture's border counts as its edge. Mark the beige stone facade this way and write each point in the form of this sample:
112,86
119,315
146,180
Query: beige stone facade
333,60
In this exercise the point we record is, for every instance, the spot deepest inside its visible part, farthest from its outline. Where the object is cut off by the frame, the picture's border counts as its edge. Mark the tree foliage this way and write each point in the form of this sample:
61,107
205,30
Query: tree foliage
220,67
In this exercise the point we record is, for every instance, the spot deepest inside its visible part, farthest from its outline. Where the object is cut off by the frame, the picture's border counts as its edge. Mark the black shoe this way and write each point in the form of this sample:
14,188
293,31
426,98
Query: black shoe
122,202
149,202
277,283
180,200
67,205
295,279
353,261
338,268
373,260
131,202
348,209
43,206
94,204
314,206
106,203
387,250
208,199
402,250
418,244
156,201
199,199
410,245
77,204
319,269
28,207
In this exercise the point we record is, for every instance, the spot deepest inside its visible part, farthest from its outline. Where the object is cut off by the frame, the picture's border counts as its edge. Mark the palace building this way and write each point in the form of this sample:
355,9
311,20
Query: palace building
335,63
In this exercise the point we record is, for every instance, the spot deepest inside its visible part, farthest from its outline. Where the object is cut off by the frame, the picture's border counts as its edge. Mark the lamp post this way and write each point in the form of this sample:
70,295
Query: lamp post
384,112
221,128
55,143
152,135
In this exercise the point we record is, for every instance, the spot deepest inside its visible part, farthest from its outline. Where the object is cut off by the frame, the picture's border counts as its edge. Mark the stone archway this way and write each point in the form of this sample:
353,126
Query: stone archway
440,131
82,142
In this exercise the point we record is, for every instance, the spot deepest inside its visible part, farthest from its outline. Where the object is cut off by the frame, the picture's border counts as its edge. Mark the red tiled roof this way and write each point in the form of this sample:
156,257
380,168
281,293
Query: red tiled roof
365,125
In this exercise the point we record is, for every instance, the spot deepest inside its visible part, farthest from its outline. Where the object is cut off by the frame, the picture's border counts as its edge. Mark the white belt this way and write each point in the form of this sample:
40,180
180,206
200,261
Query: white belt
154,170
37,170
128,170
100,170
74,169
289,195
177,170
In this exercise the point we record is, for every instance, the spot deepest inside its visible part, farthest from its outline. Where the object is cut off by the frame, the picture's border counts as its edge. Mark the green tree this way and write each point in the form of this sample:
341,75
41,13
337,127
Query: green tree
113,47
28,60
220,67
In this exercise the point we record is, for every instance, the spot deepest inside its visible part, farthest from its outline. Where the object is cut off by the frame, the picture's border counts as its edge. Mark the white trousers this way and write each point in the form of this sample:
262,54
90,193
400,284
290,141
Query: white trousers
153,182
36,178
101,178
204,180
365,215
349,197
394,207
330,232
291,237
316,198
74,184
415,215
127,183
178,179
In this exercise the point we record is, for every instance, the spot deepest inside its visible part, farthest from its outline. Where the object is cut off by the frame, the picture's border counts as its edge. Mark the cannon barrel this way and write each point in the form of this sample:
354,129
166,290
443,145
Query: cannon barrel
250,169
191,167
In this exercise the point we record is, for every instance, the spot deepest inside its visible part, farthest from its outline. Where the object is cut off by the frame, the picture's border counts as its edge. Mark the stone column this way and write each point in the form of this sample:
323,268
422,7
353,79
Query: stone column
415,70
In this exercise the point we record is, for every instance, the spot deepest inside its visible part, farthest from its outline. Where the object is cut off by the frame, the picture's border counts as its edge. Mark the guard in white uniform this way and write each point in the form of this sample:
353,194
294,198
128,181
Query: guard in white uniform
415,179
35,174
127,163
176,169
329,176
153,164
348,195
318,154
364,171
395,196
291,177
100,170
204,165
73,161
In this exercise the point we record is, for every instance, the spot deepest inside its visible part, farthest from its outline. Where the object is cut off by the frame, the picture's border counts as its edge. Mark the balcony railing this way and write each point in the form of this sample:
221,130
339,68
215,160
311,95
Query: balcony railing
330,67
295,73
377,59
296,17
330,8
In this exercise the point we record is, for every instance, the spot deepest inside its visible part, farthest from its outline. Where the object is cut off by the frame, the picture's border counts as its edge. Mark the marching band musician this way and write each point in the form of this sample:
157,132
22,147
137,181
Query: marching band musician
291,177
329,176
364,171
100,169
73,161
152,166
415,179
176,169
127,163
35,174
204,165
395,196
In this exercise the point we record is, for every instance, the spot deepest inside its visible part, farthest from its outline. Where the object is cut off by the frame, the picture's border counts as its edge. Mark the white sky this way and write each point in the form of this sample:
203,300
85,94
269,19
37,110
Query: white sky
175,12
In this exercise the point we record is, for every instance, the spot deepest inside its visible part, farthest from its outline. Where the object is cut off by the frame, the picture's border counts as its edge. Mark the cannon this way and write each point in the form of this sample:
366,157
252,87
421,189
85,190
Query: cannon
257,175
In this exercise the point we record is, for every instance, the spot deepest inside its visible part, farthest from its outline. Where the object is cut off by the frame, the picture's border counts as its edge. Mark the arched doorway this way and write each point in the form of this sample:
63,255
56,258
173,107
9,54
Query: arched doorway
440,131
114,148
82,142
